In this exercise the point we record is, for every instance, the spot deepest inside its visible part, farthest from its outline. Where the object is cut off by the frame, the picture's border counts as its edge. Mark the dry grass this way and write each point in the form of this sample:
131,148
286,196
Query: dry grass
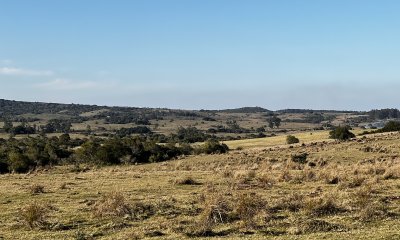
340,193
34,215
36,189
112,205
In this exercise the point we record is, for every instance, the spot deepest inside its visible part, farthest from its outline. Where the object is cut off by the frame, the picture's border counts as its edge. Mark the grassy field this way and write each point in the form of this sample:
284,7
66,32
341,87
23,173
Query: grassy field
304,137
347,190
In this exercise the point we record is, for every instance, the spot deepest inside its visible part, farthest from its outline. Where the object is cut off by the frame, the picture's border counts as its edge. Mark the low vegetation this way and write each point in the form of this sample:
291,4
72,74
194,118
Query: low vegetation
94,172
323,190
290,139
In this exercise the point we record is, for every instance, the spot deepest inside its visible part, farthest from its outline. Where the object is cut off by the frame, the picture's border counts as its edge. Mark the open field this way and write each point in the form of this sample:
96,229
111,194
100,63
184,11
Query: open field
348,190
304,137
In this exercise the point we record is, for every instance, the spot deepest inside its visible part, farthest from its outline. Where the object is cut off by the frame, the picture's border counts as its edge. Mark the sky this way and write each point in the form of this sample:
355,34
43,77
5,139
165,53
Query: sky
202,54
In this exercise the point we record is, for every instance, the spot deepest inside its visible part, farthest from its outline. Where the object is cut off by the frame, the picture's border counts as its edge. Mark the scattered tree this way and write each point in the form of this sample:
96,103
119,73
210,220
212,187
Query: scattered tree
341,133
290,139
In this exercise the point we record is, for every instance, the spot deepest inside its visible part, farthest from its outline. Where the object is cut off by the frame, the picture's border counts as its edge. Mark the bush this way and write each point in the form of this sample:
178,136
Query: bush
34,215
248,206
321,206
19,163
292,139
341,133
186,181
317,225
36,189
213,146
112,205
300,158
217,210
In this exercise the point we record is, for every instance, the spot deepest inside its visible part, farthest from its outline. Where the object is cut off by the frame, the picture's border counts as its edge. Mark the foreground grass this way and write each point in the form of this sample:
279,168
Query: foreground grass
345,191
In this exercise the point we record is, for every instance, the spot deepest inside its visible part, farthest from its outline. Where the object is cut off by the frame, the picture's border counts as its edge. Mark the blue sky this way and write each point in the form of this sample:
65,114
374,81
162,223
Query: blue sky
211,54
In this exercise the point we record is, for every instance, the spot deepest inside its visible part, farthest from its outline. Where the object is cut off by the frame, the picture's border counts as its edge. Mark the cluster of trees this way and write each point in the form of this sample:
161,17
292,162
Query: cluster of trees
13,108
23,128
53,126
190,135
384,113
56,126
29,153
124,118
391,126
274,121
314,118
123,132
245,110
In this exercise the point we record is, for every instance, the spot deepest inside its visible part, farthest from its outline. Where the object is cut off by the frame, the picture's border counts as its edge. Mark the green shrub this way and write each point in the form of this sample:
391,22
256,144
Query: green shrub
213,146
19,163
290,139
341,133
300,158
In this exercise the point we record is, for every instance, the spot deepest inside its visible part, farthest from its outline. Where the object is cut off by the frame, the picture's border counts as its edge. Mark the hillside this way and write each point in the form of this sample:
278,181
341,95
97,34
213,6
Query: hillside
341,190
229,124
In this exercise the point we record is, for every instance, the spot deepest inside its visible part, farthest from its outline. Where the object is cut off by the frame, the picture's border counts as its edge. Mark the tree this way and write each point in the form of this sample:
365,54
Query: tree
341,133
8,126
274,121
18,162
88,130
213,146
57,125
391,126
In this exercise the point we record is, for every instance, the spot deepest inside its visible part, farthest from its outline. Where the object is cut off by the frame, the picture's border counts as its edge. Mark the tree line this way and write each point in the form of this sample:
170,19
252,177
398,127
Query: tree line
23,155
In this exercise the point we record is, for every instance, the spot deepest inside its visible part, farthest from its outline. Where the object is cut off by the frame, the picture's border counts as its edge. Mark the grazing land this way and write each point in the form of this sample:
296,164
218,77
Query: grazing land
72,171
339,190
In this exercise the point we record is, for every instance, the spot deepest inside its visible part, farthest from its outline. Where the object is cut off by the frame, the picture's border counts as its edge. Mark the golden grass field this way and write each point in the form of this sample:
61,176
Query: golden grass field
348,190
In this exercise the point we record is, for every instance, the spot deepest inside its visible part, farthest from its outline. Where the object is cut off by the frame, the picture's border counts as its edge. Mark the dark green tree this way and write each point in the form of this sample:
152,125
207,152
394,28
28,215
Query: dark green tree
8,126
341,133
290,139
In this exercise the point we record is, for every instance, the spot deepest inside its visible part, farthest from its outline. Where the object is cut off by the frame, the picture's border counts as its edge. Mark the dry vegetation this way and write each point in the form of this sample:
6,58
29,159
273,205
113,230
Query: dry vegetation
348,190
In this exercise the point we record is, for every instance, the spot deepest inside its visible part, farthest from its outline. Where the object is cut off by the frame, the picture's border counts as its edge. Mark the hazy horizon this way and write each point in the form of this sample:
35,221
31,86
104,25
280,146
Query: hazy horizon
341,55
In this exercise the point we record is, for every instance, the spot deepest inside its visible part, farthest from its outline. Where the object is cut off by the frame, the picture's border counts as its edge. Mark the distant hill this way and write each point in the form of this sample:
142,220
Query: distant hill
241,110
314,111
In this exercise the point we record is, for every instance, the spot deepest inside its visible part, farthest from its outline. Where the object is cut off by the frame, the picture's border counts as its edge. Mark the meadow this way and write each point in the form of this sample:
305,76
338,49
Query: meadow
317,189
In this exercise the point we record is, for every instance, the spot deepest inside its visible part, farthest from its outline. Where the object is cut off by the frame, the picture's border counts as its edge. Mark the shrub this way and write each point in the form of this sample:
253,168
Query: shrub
186,181
321,206
36,189
111,205
317,225
34,215
300,158
341,133
248,206
213,146
293,202
18,162
217,210
354,182
290,139
373,211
